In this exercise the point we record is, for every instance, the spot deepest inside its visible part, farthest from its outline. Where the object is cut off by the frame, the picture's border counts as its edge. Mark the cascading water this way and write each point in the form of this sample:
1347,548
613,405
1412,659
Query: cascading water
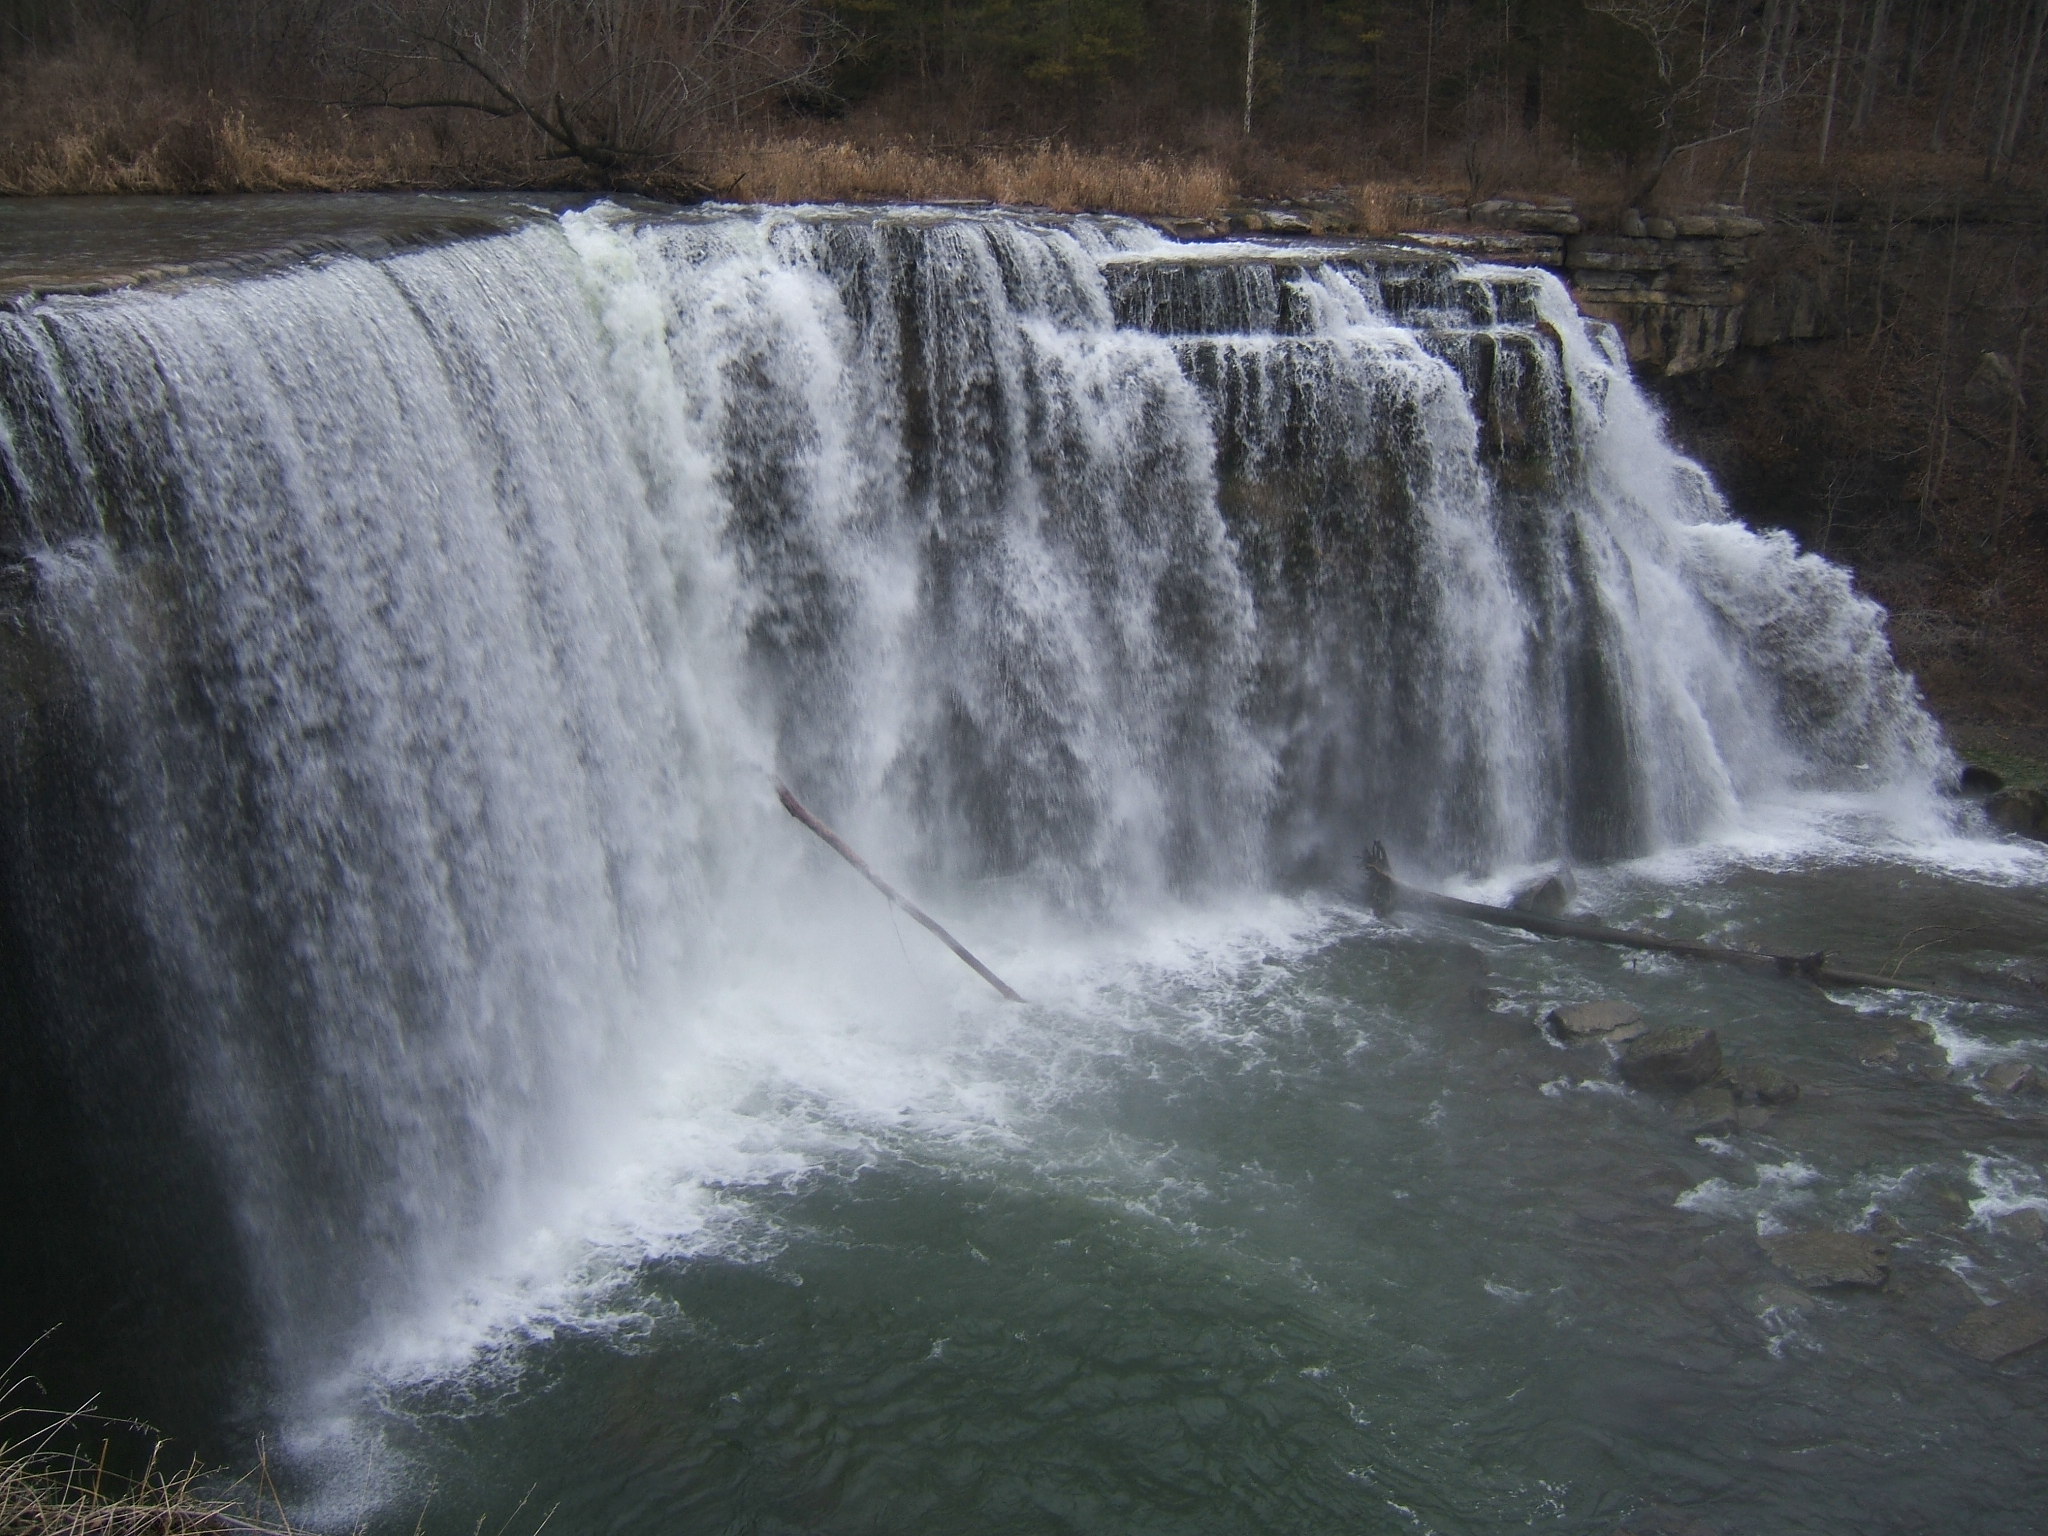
403,650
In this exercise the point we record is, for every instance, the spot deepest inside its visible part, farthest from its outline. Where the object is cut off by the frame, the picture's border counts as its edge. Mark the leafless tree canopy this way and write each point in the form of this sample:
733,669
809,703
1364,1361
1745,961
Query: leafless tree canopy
625,86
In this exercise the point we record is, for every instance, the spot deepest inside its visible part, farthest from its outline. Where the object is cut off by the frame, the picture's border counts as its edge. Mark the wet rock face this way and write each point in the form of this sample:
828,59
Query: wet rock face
1672,1059
1995,1333
1674,287
1831,1258
1976,779
2024,811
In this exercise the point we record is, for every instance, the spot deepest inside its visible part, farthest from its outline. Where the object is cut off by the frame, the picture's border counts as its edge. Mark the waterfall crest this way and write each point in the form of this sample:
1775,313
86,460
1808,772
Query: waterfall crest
401,651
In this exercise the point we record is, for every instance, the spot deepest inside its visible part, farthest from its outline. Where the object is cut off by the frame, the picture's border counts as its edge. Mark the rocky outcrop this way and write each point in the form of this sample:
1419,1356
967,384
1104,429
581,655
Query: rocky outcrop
1676,287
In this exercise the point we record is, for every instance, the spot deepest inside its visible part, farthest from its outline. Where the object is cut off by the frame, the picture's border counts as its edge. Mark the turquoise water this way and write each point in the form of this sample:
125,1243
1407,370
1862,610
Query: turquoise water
1288,1228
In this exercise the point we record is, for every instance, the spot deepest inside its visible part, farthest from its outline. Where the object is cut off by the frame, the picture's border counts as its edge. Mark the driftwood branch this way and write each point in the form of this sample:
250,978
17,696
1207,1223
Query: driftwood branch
839,845
1384,893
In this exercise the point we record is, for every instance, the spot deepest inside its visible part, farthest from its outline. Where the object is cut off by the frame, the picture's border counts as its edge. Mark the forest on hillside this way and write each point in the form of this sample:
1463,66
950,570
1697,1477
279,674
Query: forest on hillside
633,88
1896,149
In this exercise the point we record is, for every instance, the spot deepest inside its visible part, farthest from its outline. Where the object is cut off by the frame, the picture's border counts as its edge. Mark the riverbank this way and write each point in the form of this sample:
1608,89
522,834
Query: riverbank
59,1476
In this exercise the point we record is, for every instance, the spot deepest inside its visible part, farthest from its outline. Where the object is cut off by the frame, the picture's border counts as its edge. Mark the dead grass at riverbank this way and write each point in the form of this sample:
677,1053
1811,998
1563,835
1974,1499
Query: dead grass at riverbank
782,170
51,1487
95,122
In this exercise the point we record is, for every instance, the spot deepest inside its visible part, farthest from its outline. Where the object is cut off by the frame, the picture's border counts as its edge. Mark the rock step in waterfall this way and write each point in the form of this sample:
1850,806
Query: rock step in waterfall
397,650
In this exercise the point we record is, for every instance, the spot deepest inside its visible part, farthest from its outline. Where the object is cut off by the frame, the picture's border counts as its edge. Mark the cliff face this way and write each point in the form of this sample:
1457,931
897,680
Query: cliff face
1854,367
1686,291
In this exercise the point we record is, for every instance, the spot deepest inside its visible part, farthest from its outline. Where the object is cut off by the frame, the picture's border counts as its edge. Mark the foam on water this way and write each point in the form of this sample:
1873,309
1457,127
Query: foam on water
2005,1187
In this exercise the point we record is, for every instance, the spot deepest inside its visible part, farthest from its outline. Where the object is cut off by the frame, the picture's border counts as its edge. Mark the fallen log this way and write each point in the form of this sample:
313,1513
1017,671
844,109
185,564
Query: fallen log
1384,893
917,914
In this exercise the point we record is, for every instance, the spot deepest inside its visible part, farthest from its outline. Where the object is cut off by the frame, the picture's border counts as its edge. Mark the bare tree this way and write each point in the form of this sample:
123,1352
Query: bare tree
1683,78
625,87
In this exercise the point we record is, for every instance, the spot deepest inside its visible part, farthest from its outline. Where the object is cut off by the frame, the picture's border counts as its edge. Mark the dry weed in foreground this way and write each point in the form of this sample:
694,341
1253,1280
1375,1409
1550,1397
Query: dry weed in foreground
1052,176
1382,207
46,1490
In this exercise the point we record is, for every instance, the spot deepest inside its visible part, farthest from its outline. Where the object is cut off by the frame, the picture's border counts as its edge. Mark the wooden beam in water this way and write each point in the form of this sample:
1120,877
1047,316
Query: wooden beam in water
1384,893
917,914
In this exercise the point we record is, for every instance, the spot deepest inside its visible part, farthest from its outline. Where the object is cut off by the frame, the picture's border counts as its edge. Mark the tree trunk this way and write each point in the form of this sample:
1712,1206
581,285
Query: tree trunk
1385,894
2009,137
1955,70
1827,117
917,914
1873,62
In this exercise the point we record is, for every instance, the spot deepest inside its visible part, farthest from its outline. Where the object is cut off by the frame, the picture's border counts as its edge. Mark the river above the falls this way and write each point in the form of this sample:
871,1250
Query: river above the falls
448,1062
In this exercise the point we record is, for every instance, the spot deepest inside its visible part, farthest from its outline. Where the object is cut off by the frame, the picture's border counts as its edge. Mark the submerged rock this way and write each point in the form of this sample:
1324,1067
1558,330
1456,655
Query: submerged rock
2010,1077
1686,1057
1831,1258
1589,1021
1708,1111
1778,1298
1993,1333
2025,1223
1762,1085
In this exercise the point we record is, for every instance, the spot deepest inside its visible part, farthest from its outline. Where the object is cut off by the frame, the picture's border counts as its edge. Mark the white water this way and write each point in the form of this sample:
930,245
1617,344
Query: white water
442,622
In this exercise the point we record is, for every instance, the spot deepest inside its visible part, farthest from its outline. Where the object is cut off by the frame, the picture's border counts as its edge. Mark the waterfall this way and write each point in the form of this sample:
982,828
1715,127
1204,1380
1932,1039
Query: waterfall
400,653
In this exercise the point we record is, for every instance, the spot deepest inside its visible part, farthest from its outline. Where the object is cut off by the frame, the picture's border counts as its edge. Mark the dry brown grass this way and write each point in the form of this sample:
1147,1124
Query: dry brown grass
225,154
94,121
1382,207
789,170
50,1488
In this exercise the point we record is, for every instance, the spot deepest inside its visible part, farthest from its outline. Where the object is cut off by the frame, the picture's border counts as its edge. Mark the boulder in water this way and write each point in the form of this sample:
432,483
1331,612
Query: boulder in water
1686,1057
2024,811
1991,1334
1831,1258
1547,897
1575,1023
